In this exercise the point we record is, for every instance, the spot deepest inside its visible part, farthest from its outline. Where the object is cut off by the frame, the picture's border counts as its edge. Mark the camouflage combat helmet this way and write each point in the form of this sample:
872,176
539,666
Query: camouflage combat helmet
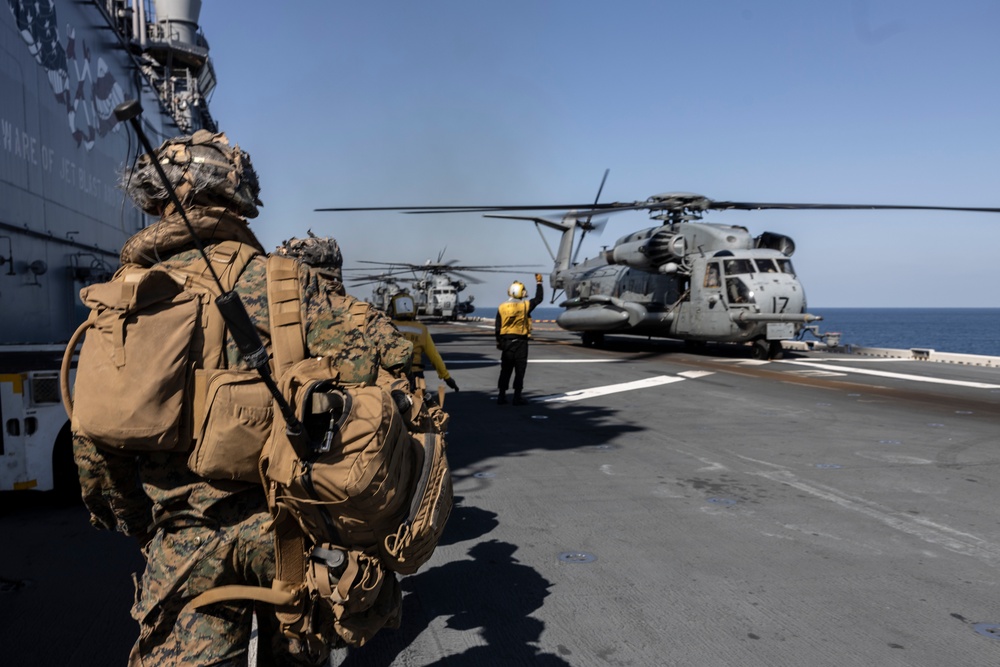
320,252
203,168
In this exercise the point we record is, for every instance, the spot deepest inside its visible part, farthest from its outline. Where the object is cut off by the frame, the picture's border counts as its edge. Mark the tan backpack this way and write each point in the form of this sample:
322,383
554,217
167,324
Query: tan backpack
150,332
356,497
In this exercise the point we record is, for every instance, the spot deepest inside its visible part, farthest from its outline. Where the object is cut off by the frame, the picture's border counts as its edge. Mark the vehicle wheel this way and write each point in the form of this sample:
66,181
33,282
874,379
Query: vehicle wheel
775,350
761,350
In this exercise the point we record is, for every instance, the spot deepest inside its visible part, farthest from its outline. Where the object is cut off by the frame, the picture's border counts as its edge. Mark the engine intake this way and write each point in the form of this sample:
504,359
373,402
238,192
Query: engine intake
783,244
647,254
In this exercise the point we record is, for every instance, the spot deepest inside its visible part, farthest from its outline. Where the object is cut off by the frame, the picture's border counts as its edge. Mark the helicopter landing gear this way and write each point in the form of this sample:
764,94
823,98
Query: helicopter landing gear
764,350
592,339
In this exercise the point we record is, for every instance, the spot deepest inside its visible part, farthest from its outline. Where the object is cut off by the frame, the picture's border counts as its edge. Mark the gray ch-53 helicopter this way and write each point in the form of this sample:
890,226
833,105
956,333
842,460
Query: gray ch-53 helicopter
682,278
435,286
385,286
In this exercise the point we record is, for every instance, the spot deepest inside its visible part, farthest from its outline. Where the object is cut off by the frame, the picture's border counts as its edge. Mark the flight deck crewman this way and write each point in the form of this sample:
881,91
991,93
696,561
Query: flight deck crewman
513,329
403,314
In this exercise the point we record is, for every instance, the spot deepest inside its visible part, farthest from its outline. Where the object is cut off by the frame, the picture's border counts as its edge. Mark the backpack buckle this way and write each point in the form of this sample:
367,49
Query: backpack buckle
327,411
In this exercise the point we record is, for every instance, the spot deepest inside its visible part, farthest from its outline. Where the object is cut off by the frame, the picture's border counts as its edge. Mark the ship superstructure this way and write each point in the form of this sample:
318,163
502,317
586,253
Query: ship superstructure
63,219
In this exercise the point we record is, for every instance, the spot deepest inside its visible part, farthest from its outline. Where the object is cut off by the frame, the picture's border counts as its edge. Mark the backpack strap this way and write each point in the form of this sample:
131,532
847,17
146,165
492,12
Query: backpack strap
288,346
67,361
229,259
284,303
359,314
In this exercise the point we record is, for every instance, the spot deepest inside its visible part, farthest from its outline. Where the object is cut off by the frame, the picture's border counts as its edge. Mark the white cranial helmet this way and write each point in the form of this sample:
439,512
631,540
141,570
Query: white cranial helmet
517,290
403,307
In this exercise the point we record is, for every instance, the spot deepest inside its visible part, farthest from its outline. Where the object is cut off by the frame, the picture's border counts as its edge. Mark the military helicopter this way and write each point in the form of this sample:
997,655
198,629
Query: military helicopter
386,286
683,278
436,286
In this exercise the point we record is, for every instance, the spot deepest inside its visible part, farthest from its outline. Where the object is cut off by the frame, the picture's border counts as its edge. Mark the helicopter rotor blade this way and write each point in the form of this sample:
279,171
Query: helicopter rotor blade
586,227
399,266
472,280
469,209
760,206
498,270
665,202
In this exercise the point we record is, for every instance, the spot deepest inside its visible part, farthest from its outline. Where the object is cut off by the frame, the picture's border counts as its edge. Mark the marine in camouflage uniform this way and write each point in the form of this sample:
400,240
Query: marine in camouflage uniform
426,415
323,255
197,534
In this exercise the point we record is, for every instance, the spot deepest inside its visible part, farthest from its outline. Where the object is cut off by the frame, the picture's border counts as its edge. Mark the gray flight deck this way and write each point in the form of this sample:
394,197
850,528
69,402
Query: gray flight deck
648,507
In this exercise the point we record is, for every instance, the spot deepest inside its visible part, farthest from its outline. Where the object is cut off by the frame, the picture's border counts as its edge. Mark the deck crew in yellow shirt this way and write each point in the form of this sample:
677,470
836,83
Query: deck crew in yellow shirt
403,314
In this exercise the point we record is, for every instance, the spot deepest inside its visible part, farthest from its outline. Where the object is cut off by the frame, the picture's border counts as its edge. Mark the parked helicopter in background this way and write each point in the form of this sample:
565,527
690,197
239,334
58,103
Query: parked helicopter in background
682,279
386,286
436,286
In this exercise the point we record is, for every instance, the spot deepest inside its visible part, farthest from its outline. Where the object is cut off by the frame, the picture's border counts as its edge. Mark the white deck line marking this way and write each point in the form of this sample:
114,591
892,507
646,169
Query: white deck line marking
926,530
861,360
896,376
808,372
581,394
694,375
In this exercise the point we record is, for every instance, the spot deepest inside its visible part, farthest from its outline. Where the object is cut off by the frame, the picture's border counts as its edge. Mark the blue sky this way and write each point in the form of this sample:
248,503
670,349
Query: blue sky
399,102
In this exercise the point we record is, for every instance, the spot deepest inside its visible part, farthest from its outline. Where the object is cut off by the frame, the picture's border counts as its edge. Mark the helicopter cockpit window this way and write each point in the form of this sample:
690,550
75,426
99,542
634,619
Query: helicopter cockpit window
735,267
786,266
712,275
738,292
766,266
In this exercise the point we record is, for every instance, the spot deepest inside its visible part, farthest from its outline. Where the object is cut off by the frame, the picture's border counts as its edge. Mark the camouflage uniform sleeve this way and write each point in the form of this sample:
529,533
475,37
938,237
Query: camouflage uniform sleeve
395,351
111,490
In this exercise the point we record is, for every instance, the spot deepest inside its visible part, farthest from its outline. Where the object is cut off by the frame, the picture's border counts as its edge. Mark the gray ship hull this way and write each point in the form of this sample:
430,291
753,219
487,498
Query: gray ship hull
651,507
64,67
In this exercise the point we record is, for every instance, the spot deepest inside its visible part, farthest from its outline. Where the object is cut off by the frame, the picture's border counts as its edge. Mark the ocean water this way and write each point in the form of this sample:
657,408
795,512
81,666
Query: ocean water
961,330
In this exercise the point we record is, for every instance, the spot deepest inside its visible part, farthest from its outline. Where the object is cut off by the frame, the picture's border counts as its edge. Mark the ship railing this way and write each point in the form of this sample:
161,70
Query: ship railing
173,58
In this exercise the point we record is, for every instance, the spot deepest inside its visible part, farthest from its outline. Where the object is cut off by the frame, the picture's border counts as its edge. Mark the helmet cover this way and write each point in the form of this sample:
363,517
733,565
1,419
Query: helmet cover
320,252
203,169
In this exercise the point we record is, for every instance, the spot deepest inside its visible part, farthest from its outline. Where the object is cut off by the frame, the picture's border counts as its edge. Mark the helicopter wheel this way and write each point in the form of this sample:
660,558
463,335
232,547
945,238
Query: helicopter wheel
761,350
592,339
775,350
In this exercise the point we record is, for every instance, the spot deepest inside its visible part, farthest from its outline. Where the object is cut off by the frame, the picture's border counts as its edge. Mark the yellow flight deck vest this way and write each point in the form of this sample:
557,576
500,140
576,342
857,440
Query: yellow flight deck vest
514,320
423,344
